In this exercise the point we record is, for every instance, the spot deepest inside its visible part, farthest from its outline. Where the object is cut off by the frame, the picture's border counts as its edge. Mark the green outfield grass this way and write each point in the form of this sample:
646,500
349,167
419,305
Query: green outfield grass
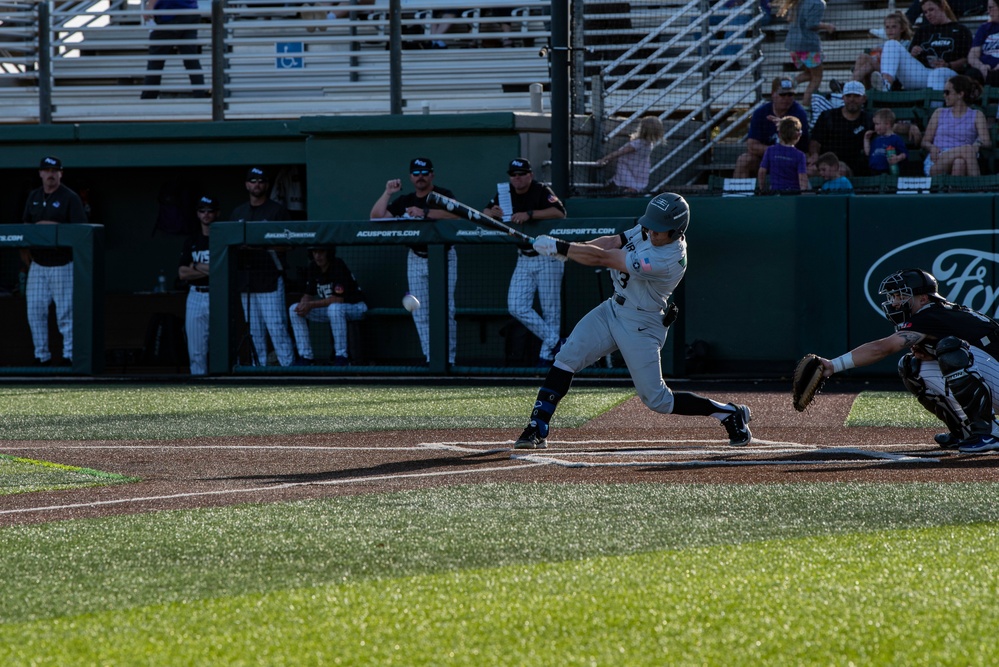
514,574
890,408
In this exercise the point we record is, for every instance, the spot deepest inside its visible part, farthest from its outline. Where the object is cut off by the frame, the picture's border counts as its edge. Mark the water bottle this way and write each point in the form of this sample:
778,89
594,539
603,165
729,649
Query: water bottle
889,154
161,283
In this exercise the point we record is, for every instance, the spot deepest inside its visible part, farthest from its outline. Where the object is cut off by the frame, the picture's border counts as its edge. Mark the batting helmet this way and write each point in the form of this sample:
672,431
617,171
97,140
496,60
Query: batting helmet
667,212
907,283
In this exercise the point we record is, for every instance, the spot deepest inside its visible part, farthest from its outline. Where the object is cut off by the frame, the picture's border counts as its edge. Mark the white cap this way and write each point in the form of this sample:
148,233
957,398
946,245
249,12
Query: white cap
854,88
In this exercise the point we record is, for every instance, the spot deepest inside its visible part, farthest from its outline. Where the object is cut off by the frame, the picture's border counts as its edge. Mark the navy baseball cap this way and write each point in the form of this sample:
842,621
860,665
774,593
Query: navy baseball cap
519,164
421,164
50,163
207,201
254,173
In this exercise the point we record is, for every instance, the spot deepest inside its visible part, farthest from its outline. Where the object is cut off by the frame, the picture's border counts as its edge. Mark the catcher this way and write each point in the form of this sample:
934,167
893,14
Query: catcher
951,368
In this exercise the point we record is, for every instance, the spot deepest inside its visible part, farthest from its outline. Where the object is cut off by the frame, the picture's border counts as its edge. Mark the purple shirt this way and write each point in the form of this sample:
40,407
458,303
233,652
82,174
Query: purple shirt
783,164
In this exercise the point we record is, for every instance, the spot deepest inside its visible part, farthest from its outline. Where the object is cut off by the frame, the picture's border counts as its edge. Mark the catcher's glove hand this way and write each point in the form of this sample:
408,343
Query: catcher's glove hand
807,381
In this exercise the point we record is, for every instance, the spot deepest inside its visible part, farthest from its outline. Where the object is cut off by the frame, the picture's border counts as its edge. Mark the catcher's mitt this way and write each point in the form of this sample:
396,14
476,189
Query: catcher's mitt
807,381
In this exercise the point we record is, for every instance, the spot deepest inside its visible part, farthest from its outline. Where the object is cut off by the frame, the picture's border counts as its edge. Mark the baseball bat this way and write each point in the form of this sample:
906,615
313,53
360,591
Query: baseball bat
476,216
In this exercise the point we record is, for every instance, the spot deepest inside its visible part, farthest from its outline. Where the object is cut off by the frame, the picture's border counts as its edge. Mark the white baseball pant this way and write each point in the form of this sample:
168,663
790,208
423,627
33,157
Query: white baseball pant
196,327
542,275
899,64
418,274
337,314
47,284
984,366
267,316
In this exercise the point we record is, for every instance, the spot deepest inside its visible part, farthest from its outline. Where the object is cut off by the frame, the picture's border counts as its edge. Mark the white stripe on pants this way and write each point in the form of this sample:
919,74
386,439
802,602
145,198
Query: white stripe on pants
47,284
337,314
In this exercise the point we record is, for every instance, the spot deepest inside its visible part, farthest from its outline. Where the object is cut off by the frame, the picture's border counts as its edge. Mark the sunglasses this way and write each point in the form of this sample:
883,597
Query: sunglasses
206,210
420,172
256,180
785,94
519,173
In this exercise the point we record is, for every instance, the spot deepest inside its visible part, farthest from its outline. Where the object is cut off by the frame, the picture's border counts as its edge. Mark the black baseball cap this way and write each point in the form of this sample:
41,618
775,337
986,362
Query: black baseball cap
50,163
255,173
207,201
421,164
519,164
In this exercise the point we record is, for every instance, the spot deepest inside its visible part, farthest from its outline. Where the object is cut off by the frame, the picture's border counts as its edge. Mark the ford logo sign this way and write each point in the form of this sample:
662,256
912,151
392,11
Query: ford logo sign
960,271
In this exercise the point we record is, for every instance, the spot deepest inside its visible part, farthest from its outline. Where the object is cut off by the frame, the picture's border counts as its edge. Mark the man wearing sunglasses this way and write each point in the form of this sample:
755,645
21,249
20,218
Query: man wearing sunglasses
193,269
261,274
763,127
414,206
530,202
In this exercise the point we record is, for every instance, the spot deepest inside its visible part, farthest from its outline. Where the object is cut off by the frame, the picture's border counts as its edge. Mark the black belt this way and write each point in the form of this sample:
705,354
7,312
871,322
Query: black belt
426,253
198,288
529,253
620,300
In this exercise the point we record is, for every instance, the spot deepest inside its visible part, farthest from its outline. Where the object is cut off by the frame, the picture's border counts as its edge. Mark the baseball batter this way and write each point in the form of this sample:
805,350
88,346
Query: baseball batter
647,262
50,275
331,295
531,201
951,367
194,260
414,205
261,275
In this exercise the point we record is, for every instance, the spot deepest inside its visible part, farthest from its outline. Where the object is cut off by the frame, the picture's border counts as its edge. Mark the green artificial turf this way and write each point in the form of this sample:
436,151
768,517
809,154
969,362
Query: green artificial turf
517,574
169,412
890,408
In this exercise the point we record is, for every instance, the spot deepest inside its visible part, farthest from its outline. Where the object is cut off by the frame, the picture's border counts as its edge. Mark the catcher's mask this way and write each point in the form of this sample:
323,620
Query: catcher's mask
666,212
906,283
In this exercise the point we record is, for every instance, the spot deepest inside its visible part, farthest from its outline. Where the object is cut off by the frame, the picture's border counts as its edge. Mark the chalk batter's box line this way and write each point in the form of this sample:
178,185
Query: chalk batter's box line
868,457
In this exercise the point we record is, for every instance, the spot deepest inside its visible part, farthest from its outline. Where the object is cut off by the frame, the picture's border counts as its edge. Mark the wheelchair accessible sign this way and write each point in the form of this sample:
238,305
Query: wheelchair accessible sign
289,55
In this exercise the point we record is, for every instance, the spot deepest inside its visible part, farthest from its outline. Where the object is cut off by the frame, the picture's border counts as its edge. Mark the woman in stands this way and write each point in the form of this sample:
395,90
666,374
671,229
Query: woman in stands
956,131
897,28
939,51
983,59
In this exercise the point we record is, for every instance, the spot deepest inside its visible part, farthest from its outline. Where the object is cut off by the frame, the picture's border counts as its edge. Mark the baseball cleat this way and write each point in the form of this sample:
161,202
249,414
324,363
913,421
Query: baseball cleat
979,443
531,438
737,425
947,440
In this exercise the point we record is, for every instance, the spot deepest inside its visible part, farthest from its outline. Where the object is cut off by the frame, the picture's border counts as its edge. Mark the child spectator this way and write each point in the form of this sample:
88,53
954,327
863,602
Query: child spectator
634,159
884,148
832,179
786,165
805,22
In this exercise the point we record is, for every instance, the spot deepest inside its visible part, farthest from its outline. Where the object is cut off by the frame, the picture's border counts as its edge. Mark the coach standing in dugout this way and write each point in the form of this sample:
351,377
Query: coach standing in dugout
414,205
50,272
531,202
193,269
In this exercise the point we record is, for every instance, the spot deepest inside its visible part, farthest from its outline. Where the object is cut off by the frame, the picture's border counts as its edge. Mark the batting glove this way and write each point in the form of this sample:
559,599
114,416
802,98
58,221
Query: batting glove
545,245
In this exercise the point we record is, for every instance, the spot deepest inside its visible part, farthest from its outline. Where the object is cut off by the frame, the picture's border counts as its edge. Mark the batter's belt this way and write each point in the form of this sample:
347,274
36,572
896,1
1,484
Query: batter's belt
623,301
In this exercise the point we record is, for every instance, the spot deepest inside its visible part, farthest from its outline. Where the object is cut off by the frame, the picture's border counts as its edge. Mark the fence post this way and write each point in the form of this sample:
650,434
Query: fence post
395,57
45,63
561,122
218,60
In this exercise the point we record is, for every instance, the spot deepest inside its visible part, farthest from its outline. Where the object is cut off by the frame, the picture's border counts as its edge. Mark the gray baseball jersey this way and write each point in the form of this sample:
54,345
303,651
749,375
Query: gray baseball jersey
655,271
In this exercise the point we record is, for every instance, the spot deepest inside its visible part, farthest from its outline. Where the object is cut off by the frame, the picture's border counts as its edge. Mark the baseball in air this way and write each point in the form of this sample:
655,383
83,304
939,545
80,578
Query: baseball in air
410,302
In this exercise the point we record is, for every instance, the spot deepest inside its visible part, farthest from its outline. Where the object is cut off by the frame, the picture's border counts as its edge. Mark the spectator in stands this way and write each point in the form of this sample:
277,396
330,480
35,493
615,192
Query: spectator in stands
832,179
960,8
193,269
414,206
172,35
883,147
50,274
634,159
896,28
805,22
983,58
841,131
763,127
331,295
956,131
939,51
785,164
261,274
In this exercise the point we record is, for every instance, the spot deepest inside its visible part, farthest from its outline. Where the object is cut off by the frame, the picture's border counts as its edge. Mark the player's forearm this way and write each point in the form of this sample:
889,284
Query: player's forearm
591,255
380,209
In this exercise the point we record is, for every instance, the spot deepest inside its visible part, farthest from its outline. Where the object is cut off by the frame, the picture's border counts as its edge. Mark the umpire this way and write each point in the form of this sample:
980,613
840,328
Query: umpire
530,202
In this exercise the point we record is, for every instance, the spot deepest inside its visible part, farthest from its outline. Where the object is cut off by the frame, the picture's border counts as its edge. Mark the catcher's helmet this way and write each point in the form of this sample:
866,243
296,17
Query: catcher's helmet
907,283
667,212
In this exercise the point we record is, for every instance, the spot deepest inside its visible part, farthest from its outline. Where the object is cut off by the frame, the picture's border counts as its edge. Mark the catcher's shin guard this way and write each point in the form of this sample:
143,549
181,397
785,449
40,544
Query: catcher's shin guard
968,389
908,370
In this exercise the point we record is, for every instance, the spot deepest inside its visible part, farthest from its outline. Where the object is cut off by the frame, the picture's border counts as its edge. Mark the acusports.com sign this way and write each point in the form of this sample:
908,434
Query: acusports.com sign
961,269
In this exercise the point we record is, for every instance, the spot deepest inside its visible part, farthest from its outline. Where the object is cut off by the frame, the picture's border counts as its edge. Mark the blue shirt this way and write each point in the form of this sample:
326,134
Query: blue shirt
987,37
879,146
764,130
842,184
